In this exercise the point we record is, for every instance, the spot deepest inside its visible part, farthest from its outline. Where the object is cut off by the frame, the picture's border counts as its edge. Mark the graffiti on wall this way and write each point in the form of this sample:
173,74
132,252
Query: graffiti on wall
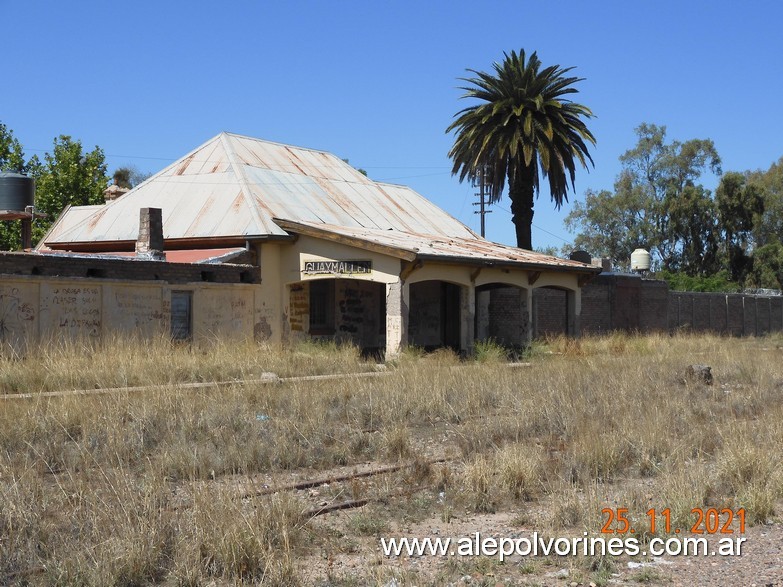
72,309
300,307
16,315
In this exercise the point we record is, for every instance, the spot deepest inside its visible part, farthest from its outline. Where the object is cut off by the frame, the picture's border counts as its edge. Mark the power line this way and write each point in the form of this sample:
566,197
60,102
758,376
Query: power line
174,159
536,226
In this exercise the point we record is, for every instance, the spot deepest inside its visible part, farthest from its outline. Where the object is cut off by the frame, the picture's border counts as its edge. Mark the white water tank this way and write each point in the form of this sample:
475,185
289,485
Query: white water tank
640,260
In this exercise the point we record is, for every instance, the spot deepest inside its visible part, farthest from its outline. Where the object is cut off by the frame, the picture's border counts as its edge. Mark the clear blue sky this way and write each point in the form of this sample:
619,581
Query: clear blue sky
376,82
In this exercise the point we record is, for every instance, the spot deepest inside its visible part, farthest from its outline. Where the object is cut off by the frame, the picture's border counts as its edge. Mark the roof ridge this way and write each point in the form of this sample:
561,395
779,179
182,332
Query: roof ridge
279,144
244,184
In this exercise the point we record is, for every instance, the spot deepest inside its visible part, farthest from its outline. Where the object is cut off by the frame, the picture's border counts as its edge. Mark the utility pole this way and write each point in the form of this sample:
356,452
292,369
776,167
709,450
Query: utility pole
482,195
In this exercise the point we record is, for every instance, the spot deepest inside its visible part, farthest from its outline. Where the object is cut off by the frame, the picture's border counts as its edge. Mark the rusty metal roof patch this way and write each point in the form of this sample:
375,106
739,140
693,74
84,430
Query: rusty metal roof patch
233,186
409,246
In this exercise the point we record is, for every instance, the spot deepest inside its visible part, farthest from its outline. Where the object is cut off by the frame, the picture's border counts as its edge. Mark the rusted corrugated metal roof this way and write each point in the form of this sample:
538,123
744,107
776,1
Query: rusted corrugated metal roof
411,246
232,186
177,256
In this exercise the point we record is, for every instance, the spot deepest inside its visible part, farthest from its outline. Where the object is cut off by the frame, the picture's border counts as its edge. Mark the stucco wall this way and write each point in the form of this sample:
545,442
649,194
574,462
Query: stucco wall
416,290
35,308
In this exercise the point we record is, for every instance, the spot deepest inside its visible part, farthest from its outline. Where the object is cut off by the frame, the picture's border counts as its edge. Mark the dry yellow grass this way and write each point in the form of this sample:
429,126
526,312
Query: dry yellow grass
127,362
133,488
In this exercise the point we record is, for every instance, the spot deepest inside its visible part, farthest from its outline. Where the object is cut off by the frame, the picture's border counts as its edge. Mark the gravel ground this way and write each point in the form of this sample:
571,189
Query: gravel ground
760,564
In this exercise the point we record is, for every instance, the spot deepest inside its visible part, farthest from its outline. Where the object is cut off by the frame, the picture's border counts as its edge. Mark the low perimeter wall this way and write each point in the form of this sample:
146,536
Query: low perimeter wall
45,297
629,303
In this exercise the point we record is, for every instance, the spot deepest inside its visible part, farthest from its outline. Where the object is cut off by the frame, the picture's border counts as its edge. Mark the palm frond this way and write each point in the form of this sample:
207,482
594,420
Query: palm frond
522,126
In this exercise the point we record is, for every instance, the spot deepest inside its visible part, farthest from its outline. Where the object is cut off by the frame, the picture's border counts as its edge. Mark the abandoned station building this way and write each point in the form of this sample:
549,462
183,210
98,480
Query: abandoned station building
248,238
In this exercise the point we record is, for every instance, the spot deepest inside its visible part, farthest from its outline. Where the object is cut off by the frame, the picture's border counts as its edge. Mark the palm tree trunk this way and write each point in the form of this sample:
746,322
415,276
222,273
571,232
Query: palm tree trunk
520,193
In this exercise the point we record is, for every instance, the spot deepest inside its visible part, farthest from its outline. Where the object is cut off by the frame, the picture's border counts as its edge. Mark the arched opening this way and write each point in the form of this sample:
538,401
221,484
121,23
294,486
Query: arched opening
434,318
554,312
502,315
344,310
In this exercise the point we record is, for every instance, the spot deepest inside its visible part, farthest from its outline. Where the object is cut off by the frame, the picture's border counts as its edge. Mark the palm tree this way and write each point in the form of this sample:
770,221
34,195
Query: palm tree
522,128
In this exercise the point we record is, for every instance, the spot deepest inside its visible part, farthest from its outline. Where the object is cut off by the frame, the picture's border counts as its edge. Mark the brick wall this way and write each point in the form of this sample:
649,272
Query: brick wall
507,316
358,315
629,303
549,312
749,317
701,310
735,314
654,300
56,265
596,306
718,316
624,302
776,314
763,325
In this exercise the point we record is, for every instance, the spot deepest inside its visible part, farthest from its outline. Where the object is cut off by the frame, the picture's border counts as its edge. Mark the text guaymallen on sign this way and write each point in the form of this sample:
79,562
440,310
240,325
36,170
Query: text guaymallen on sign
337,267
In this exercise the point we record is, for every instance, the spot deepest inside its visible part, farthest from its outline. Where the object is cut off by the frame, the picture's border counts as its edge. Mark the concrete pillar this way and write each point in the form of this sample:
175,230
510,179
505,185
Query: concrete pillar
467,316
574,309
271,296
397,299
482,298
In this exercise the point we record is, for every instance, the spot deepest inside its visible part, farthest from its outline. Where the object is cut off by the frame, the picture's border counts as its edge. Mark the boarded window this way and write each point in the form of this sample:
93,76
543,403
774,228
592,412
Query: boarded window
322,307
181,315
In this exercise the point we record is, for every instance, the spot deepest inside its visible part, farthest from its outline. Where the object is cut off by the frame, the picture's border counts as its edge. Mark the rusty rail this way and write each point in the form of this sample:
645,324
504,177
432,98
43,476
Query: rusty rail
265,379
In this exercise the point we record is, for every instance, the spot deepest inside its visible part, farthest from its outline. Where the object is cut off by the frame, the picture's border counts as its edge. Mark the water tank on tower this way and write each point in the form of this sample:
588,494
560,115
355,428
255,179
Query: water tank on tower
17,192
640,261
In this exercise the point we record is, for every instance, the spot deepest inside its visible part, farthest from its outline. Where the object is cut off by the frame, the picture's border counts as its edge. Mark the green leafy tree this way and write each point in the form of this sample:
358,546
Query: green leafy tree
11,152
611,224
523,128
693,221
740,209
767,268
769,228
656,197
67,176
716,282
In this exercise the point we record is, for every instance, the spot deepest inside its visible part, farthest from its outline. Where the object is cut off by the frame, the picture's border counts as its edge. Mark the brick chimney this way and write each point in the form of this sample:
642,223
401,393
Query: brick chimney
113,192
149,244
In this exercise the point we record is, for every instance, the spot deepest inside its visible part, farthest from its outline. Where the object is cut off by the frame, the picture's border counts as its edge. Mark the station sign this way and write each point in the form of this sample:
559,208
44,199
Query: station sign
337,267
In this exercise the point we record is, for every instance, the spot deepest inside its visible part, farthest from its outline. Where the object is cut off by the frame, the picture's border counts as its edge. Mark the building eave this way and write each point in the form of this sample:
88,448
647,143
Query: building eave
169,244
